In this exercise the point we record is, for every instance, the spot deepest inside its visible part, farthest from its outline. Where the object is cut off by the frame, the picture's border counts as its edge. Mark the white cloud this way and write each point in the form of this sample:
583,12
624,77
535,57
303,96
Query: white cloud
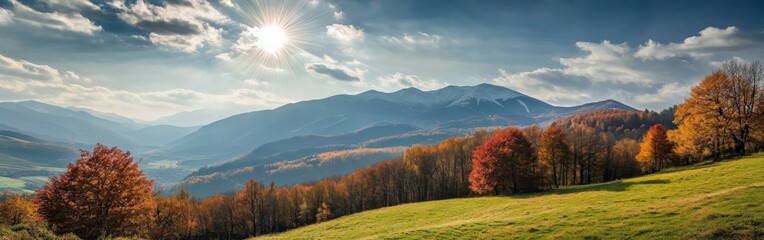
188,43
225,57
605,62
665,93
339,15
398,80
183,26
329,67
272,69
251,97
20,69
256,83
544,83
5,16
720,64
621,72
227,3
417,39
72,5
345,33
72,21
710,41
23,80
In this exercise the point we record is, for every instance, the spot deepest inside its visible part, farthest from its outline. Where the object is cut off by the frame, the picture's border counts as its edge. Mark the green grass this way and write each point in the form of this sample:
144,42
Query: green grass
26,184
11,183
31,232
712,201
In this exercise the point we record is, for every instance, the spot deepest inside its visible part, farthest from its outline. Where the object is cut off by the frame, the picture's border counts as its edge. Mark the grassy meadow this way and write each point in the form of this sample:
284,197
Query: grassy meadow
706,201
27,184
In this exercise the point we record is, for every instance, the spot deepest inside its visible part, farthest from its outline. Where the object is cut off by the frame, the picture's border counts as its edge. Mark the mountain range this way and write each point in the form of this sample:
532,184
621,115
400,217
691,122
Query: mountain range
450,107
294,143
283,144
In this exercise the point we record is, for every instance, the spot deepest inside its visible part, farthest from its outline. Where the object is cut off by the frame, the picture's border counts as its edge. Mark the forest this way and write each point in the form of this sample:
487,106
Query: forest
104,194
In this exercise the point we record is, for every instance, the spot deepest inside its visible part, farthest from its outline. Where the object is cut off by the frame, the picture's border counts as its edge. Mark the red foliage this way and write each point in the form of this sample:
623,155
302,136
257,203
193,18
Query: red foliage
499,164
102,194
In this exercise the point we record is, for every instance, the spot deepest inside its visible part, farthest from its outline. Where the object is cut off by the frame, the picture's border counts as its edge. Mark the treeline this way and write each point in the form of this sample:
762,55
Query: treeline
558,157
104,193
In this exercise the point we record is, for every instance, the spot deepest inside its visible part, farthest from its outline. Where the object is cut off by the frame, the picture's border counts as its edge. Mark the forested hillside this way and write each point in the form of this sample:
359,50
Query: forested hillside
705,201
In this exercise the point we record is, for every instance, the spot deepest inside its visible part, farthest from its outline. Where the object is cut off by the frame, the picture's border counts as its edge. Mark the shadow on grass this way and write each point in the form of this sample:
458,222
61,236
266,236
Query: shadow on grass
614,186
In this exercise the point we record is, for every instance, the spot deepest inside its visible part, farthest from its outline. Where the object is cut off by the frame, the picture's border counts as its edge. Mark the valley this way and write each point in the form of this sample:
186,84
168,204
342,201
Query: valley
364,129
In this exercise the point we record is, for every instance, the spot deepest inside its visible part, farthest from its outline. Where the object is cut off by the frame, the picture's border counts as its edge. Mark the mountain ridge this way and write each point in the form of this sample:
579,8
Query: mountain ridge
345,113
311,128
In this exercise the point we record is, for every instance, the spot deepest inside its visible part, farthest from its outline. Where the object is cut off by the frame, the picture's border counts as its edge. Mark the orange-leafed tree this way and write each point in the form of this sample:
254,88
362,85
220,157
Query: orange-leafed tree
103,194
655,151
503,164
422,160
725,110
553,154
17,209
173,217
250,201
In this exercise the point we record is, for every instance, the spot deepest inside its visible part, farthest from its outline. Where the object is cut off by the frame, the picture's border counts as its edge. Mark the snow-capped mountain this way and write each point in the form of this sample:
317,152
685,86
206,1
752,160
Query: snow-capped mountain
453,106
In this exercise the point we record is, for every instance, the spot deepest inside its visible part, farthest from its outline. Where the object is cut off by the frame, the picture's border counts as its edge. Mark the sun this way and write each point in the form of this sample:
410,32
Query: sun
277,35
272,39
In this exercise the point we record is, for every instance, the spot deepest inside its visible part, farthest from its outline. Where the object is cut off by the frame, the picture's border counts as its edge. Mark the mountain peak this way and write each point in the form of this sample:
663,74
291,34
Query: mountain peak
410,89
449,95
608,104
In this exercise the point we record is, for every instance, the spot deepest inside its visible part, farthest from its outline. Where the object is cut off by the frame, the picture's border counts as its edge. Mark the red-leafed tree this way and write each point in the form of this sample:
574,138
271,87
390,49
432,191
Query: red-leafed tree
103,194
503,164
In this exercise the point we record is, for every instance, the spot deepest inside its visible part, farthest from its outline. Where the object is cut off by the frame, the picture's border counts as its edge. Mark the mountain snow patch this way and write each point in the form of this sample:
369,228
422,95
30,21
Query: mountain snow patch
522,103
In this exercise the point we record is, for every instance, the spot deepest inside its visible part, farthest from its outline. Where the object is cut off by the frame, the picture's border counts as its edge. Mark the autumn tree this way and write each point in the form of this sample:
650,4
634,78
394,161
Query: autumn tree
304,214
745,96
533,133
588,148
18,209
624,163
250,201
323,213
553,154
503,164
173,218
422,160
102,194
725,107
655,151
700,119
695,137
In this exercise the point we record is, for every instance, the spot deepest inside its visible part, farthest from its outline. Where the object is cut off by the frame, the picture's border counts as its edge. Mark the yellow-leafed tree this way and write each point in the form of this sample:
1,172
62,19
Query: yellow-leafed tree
17,209
655,151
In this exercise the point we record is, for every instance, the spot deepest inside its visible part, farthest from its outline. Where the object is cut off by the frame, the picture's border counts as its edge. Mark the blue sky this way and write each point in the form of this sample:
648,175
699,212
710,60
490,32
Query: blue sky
145,59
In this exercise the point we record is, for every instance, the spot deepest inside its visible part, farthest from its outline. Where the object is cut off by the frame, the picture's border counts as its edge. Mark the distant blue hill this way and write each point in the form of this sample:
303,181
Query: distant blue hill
299,142
450,107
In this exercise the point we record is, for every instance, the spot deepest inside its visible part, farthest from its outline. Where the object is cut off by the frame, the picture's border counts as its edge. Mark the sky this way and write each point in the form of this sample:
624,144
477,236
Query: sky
146,59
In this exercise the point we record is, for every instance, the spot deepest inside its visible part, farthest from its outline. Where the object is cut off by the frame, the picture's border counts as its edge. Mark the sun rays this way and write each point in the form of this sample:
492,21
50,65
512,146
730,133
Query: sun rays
275,36
271,39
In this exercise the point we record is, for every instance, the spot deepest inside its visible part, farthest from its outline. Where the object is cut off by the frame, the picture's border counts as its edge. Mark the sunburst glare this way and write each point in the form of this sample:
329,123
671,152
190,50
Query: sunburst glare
276,35
271,39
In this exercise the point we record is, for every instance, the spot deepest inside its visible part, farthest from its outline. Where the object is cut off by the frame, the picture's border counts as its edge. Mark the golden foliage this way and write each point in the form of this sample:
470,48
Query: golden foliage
18,209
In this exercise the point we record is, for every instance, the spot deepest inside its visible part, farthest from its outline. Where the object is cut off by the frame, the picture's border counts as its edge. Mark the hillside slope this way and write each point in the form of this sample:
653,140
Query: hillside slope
717,201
